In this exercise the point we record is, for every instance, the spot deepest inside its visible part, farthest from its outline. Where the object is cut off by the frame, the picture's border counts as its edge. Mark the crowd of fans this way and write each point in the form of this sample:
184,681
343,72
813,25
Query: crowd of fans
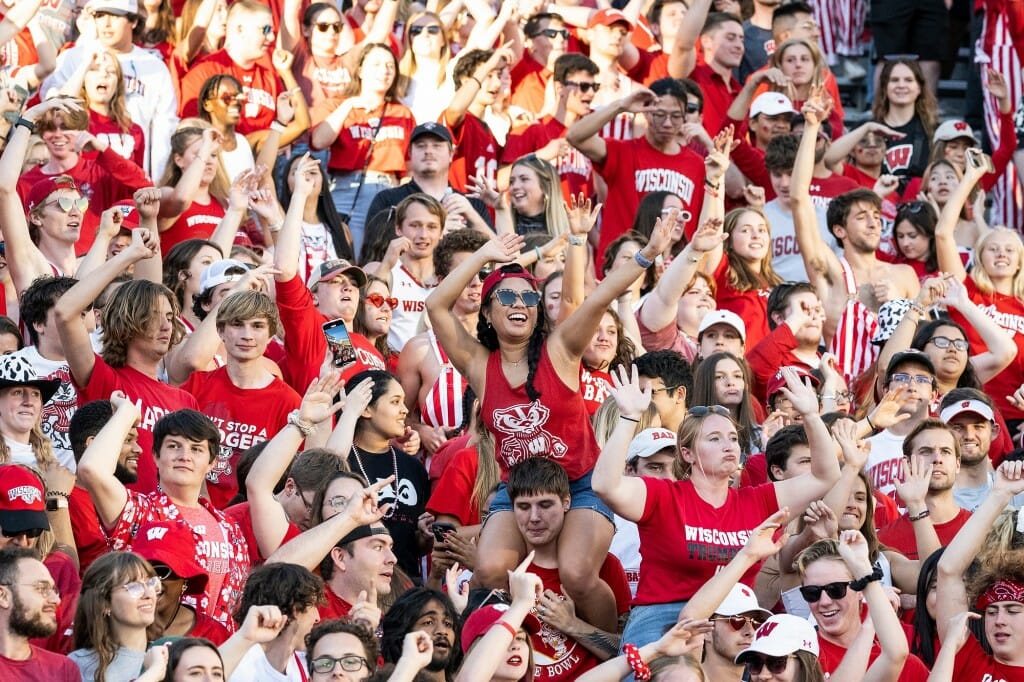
299,300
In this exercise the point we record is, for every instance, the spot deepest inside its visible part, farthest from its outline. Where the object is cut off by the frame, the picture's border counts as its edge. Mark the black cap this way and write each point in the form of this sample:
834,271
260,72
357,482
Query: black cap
911,355
438,130
360,532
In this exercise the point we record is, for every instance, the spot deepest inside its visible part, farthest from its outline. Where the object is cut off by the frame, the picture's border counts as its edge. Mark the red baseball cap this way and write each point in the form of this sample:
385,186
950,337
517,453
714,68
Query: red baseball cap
608,17
129,214
481,620
777,381
171,543
22,500
510,271
47,186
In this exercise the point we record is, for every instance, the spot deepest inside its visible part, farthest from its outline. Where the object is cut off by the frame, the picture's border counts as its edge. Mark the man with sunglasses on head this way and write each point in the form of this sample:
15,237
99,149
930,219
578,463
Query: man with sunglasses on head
575,87
28,609
546,39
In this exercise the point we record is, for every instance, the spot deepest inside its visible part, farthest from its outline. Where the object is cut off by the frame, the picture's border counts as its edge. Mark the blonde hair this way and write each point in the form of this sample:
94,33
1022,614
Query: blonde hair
817,77
42,448
407,66
982,278
247,305
555,217
607,416
128,315
189,130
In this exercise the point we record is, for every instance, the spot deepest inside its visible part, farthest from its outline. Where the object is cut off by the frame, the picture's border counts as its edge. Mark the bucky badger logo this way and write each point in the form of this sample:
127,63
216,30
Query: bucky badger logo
527,437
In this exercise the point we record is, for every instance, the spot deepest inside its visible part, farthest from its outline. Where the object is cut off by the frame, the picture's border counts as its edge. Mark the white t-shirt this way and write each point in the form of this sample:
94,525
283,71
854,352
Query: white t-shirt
786,258
412,307
883,466
255,666
626,548
239,160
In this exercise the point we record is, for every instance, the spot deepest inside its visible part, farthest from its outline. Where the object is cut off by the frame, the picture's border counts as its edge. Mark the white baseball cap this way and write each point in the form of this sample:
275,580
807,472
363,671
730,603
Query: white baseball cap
118,7
741,599
962,406
781,635
217,273
771,104
723,317
954,130
650,442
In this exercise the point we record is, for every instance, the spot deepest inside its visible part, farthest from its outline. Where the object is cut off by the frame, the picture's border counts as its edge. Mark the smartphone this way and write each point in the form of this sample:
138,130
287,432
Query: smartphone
439,528
339,343
979,159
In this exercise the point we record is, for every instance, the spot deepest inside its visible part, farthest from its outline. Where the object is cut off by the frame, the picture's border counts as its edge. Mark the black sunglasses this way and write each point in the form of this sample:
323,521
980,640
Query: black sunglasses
776,664
812,593
584,87
433,30
912,207
508,297
705,410
164,572
552,33
325,26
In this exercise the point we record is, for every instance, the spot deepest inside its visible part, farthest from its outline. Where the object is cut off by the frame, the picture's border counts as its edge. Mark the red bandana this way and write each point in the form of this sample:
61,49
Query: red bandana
1001,590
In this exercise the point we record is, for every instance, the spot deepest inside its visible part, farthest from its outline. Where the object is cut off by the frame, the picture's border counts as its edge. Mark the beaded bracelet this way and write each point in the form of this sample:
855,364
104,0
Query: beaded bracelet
641,670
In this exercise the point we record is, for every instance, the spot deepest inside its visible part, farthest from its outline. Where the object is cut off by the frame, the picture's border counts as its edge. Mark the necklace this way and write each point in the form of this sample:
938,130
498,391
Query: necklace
514,363
394,462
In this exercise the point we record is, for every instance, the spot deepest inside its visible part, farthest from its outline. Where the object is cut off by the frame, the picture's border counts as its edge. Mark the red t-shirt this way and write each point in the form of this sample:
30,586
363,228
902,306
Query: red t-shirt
652,66
557,657
154,399
241,515
1008,313
718,95
336,607
831,655
40,665
824,190
595,386
130,144
751,306
633,169
453,492
476,152
198,221
241,426
350,149
704,538
260,84
900,533
89,539
306,345
574,169
555,426
857,175
529,83
104,181
974,665
320,77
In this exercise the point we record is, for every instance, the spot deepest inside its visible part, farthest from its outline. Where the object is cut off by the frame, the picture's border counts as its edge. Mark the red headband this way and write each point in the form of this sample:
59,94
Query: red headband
1001,590
505,272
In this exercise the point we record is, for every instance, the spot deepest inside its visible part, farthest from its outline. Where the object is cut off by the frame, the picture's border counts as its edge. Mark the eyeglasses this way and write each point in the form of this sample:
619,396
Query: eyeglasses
912,207
844,396
692,108
508,297
337,502
552,33
137,588
44,588
776,664
377,301
164,572
945,342
266,30
29,533
325,26
584,87
350,664
67,203
302,496
737,623
812,593
232,97
660,116
705,410
902,378
667,389
432,29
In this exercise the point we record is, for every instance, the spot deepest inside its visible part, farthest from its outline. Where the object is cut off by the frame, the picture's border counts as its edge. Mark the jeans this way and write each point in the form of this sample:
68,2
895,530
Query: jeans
345,187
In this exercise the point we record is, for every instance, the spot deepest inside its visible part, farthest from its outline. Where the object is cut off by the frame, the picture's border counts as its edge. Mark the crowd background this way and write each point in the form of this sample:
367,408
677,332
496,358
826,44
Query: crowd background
470,340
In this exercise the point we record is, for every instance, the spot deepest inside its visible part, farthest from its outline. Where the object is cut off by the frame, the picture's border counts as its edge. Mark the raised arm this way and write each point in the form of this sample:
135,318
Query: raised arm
568,341
177,199
585,133
684,52
581,221
822,265
17,17
1001,347
147,203
289,239
839,151
96,468
931,290
951,596
626,495
470,86
796,493
684,638
945,240
465,352
69,308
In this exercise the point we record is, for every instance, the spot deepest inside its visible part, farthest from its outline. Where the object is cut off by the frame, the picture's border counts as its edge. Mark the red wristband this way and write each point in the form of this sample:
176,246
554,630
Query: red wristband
511,630
641,670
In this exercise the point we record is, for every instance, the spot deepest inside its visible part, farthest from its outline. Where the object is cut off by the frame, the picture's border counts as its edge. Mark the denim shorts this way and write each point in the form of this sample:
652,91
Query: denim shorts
582,496
649,622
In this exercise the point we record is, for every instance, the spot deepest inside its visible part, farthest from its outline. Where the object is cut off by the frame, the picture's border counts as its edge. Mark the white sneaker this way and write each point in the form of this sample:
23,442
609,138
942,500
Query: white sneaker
851,69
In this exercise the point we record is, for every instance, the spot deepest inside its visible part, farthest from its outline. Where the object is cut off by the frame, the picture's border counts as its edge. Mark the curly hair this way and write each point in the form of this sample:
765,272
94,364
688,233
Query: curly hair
93,627
290,587
401,619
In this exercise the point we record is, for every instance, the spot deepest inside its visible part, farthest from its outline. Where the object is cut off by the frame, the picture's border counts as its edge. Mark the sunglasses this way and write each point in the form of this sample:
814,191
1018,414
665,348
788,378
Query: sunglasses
164,572
552,33
432,29
705,410
945,342
692,108
812,593
737,623
29,533
378,301
325,26
776,664
584,87
137,588
231,98
67,203
485,273
912,207
508,297
350,664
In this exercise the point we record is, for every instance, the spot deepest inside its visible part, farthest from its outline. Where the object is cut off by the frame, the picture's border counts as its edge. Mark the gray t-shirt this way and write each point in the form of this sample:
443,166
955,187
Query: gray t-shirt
127,664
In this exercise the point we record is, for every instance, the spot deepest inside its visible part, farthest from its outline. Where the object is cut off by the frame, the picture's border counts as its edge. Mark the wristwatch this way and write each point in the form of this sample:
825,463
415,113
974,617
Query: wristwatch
56,503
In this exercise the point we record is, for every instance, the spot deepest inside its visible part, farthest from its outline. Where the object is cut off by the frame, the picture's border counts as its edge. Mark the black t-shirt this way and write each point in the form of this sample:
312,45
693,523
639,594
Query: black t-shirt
908,157
413,487
756,43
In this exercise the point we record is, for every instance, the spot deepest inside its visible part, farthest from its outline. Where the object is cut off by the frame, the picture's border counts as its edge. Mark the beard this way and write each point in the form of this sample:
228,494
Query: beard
123,475
28,625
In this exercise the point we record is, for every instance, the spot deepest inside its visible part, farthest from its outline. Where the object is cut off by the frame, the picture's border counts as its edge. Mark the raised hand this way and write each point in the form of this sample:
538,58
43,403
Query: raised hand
457,592
854,550
503,248
1010,478
144,244
147,203
821,520
997,85
582,217
365,610
684,637
932,289
262,624
956,294
801,394
855,451
285,106
708,237
282,60
363,509
418,649
887,412
358,397
754,196
557,610
306,175
761,542
638,101
486,190
958,630
63,104
630,398
524,587
916,477
318,403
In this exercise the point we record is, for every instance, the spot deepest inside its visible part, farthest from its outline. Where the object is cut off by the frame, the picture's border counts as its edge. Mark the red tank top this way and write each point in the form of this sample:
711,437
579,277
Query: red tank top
555,426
